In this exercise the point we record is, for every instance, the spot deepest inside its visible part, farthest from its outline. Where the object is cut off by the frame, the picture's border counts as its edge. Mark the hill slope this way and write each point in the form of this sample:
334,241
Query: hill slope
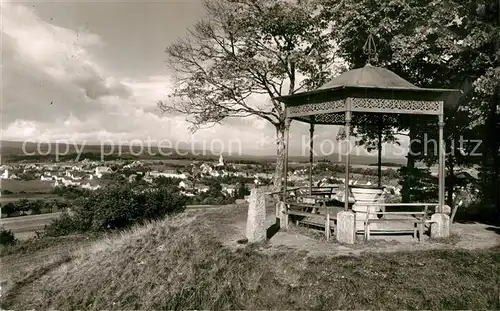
180,264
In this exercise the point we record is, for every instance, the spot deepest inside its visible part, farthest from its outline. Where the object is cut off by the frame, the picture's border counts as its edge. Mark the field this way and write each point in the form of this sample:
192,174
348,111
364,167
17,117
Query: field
26,227
30,186
193,261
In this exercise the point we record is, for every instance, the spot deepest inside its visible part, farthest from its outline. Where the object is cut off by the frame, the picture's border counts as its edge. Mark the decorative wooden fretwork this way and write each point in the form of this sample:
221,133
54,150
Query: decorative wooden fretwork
331,118
315,108
395,106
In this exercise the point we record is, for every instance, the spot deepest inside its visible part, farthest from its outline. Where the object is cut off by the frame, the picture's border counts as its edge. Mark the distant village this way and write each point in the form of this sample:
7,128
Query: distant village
93,175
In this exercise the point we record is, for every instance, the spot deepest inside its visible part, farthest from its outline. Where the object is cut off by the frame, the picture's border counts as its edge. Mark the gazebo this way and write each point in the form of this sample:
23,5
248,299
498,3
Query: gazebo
362,95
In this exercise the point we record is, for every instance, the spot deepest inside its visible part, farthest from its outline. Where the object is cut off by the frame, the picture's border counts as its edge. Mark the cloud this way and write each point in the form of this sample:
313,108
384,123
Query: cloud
55,88
58,52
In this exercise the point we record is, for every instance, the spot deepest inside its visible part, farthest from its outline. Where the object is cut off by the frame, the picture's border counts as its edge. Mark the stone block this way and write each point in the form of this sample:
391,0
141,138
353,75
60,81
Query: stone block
256,219
282,215
446,209
440,226
346,227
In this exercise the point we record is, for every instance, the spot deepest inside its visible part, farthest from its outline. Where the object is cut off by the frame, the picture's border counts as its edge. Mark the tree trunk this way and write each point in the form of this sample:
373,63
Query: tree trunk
280,159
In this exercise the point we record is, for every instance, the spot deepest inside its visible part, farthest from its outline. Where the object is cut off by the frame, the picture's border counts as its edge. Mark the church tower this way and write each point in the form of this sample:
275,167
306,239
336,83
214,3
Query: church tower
221,161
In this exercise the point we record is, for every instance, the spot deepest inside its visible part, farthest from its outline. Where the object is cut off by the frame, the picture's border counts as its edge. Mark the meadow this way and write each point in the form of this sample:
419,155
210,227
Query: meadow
27,187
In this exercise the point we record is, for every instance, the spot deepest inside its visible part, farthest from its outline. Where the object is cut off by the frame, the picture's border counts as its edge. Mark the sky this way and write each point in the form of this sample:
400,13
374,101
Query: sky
93,71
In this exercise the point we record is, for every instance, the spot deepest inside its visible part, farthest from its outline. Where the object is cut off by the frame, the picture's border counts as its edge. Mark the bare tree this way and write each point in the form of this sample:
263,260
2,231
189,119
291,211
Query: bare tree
246,48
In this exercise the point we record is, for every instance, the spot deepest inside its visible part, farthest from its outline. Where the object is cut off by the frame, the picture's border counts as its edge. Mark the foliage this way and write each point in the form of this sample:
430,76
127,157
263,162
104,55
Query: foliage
118,207
64,225
8,208
7,237
323,166
215,194
444,44
26,176
241,191
163,181
24,206
71,192
423,187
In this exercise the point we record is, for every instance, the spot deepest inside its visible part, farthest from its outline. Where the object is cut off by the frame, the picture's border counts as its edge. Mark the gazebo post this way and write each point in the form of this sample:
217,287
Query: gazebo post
379,163
441,171
311,145
348,152
285,165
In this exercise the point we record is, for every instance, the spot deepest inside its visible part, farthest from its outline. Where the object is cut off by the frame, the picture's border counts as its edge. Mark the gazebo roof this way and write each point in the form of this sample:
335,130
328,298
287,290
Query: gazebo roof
370,77
364,91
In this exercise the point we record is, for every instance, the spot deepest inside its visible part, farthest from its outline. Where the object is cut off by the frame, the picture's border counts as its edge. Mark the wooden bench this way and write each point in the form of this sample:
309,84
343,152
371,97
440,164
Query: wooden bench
324,191
418,219
308,210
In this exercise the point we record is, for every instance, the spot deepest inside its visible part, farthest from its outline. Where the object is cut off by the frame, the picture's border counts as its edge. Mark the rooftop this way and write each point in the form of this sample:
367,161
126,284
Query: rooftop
368,76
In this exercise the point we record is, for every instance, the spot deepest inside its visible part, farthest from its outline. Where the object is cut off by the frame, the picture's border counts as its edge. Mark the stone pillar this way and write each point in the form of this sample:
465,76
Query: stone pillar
346,227
256,227
282,214
440,226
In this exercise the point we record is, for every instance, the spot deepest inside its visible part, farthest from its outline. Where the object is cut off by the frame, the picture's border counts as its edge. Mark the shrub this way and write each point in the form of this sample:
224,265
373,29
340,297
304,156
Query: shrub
8,209
64,225
118,207
7,237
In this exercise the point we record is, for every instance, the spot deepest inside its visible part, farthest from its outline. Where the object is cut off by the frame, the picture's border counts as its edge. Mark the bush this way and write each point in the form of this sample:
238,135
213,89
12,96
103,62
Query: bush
7,237
6,192
64,225
118,207
8,209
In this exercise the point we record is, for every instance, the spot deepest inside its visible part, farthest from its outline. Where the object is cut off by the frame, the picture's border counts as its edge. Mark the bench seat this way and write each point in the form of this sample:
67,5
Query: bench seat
418,219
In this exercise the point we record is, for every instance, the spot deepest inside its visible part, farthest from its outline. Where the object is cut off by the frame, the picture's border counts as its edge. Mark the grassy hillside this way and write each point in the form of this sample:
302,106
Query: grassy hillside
180,264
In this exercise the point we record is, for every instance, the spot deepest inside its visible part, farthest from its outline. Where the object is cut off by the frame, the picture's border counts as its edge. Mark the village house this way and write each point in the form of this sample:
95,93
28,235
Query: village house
75,175
186,185
46,177
214,173
148,178
229,189
133,164
65,182
101,170
168,173
5,174
90,186
205,168
202,188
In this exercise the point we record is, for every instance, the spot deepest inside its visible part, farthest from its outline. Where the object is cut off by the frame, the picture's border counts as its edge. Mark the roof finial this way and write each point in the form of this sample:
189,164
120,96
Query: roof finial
370,48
